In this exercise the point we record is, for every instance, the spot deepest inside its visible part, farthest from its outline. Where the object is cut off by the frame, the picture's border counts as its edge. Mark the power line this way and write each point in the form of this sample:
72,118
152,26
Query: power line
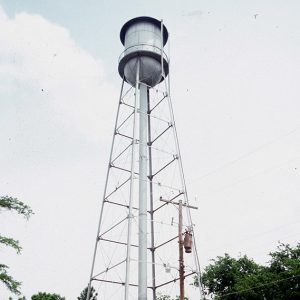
261,285
251,176
241,157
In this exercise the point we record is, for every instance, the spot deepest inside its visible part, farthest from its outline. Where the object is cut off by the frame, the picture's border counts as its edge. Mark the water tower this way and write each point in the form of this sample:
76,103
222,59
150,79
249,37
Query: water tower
135,255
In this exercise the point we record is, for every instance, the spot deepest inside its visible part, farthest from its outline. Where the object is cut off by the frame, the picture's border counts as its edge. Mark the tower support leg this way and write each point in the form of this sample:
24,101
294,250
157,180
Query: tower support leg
104,193
143,128
151,199
132,171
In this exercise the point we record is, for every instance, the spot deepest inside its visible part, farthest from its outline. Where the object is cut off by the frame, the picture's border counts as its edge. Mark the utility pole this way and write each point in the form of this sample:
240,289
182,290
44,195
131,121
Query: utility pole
181,263
180,242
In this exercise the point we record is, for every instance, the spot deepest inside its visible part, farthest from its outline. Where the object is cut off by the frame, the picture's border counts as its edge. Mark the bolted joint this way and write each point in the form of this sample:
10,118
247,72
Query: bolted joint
129,216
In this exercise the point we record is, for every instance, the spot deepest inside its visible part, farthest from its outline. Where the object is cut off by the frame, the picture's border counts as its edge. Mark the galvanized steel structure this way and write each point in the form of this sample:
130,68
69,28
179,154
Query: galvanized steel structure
134,258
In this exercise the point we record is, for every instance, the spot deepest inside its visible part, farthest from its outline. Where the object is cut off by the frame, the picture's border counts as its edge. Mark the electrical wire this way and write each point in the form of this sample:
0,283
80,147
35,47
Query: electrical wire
261,285
251,176
247,154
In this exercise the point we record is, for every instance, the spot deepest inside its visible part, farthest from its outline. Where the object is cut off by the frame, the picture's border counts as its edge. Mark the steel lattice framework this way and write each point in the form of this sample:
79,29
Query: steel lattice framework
116,259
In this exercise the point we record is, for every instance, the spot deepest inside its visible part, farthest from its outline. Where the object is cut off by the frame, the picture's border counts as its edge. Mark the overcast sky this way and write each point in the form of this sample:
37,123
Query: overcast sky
235,71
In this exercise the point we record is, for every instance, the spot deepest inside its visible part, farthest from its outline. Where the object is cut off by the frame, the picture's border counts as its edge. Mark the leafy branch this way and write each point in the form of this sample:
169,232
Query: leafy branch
10,243
8,281
10,203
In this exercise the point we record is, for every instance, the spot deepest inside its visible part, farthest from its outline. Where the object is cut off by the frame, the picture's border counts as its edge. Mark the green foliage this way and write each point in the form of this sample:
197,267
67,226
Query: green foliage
164,297
47,296
224,274
285,268
83,294
8,281
228,278
11,243
10,203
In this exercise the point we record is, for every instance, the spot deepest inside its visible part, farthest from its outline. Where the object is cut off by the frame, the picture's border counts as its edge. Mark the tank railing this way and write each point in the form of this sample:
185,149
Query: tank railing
143,47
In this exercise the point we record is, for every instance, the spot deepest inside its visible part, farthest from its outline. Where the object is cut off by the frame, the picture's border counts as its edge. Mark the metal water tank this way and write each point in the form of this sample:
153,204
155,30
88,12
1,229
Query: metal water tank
143,42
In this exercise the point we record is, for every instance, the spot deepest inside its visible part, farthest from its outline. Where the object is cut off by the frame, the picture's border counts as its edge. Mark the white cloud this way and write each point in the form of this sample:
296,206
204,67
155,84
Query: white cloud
41,60
56,110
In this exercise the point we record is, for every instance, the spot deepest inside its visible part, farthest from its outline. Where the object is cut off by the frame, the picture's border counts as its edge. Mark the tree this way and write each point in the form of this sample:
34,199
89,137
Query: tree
83,294
225,273
47,296
285,269
228,278
12,204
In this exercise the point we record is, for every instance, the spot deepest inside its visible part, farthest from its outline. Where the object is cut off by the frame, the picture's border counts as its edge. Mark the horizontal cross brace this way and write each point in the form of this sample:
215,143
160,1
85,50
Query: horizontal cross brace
116,242
174,280
126,104
119,282
122,169
120,204
179,194
124,135
149,287
115,282
133,245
